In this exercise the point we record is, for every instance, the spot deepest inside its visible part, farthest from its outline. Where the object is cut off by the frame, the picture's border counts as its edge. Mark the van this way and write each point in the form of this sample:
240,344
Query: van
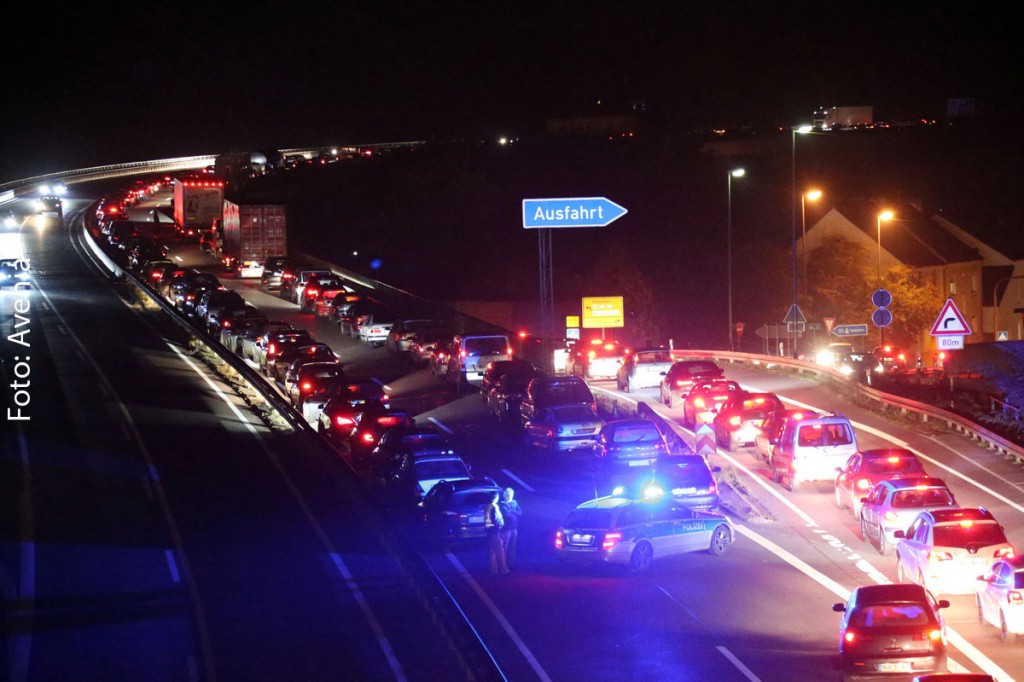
812,449
471,355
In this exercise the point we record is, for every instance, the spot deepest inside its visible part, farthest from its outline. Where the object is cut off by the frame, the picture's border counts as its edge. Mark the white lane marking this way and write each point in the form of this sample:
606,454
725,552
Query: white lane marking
980,659
984,468
522,484
153,474
903,444
371,617
500,617
172,565
739,664
440,426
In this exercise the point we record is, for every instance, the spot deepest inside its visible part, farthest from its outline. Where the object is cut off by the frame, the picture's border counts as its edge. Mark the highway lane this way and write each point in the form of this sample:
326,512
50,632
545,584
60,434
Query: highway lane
154,528
766,603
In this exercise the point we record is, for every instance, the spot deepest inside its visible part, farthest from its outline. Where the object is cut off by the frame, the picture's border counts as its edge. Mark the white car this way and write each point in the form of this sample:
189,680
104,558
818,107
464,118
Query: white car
1000,597
375,330
946,550
643,369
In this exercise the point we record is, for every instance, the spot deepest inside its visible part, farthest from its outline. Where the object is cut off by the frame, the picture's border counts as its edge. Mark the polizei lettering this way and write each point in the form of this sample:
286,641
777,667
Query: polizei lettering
568,213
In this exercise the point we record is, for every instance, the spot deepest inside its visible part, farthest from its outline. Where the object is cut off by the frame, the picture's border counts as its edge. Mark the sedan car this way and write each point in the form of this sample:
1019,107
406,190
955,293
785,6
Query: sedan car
628,532
738,420
495,370
371,426
272,344
893,505
306,379
630,442
888,629
868,467
454,510
644,368
407,442
340,415
375,328
412,479
705,399
946,550
681,377
564,427
1000,597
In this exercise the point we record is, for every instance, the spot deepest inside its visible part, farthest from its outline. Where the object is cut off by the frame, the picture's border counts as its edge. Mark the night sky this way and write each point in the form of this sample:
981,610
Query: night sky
93,83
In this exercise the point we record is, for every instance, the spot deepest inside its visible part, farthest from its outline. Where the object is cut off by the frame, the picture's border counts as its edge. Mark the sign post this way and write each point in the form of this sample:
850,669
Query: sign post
949,330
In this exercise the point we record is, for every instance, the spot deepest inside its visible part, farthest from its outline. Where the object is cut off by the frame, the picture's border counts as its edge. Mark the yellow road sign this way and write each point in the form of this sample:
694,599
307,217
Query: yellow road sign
602,312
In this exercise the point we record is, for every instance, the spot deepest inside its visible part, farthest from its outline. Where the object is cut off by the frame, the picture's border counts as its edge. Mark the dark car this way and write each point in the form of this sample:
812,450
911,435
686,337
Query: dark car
273,269
547,391
340,416
192,289
370,427
683,374
294,355
687,479
408,442
251,338
505,398
231,335
403,332
888,629
272,344
868,467
311,292
739,419
495,370
454,510
214,306
705,399
630,443
303,380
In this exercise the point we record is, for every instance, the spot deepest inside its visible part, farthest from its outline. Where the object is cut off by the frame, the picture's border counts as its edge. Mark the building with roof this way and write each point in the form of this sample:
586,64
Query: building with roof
985,282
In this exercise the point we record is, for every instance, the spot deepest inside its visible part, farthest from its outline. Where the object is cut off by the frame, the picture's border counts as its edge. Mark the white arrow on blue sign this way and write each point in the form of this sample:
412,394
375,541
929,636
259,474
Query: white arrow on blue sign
572,212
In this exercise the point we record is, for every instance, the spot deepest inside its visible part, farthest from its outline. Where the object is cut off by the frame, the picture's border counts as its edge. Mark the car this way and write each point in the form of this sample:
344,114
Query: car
564,427
291,289
767,436
370,427
888,629
811,449
598,359
315,402
505,398
231,335
630,443
352,316
399,339
470,356
633,533
305,380
739,419
273,343
251,338
495,370
868,467
311,292
544,392
407,442
341,412
688,479
374,330
945,550
214,305
893,505
643,368
119,231
323,306
999,596
454,510
437,357
293,356
194,288
705,399
681,377
50,204
891,358
411,479
273,269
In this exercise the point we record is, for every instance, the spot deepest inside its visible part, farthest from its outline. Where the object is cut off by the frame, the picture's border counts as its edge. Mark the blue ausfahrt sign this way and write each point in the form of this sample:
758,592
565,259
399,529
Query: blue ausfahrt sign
572,212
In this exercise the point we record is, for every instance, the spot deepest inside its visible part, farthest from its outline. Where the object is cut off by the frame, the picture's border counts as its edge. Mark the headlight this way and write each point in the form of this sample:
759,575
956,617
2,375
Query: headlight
825,357
10,222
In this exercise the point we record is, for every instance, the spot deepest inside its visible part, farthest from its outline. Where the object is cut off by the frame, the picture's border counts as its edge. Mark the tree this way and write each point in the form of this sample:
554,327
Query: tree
914,302
619,275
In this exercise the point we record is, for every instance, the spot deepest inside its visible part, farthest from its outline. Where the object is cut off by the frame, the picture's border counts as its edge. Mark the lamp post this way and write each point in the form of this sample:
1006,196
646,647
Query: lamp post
734,173
803,129
811,195
884,216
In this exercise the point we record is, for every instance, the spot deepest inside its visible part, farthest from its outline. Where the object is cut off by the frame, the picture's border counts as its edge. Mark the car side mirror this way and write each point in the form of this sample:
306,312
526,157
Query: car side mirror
899,534
943,603
839,607
863,500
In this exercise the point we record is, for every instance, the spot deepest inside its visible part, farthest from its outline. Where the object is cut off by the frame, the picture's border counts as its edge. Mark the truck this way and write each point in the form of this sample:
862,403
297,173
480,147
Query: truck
250,234
829,118
198,202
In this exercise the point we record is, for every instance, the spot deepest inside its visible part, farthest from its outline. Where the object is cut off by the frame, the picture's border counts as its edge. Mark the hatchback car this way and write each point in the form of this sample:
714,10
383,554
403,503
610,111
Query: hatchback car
304,380
893,505
371,426
413,478
1000,597
340,414
454,510
643,368
564,427
628,532
739,418
598,359
630,442
866,468
767,436
311,351
946,550
681,377
888,629
705,399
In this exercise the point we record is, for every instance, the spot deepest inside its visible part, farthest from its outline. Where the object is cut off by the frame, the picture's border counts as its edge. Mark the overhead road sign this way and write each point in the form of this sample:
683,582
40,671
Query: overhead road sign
950,322
850,330
602,312
570,212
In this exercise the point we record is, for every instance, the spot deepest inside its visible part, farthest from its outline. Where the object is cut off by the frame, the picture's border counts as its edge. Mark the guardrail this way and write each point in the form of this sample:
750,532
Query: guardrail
116,170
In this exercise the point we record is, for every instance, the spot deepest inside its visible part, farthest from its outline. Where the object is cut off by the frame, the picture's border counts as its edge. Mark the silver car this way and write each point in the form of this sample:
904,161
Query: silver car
643,369
893,505
564,427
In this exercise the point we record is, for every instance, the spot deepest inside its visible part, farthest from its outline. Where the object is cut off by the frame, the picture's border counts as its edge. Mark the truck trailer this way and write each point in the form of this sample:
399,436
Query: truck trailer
198,203
831,118
250,234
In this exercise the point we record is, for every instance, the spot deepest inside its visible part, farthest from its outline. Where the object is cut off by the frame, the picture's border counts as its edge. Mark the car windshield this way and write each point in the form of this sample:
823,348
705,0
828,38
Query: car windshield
440,469
607,350
425,441
573,413
565,393
653,356
697,367
819,435
471,500
687,472
961,535
1018,580
929,497
636,434
894,465
487,345
892,616
589,518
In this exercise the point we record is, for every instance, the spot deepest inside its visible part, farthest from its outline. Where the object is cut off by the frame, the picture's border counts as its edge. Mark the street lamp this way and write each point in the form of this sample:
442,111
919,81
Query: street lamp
811,195
734,173
884,216
803,130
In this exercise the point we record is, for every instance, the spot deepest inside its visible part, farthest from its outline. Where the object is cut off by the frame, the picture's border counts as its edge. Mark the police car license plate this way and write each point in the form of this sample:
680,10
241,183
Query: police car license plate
639,462
901,667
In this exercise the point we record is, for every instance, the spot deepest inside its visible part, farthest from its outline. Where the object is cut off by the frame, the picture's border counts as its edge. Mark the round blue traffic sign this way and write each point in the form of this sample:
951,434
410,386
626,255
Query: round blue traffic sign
881,298
881,317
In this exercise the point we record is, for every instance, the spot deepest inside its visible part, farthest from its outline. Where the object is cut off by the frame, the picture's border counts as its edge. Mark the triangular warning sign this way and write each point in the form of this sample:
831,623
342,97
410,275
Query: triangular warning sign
794,315
829,323
950,322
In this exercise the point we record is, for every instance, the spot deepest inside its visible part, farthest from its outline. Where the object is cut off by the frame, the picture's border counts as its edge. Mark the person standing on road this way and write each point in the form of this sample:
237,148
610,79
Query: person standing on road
510,513
494,522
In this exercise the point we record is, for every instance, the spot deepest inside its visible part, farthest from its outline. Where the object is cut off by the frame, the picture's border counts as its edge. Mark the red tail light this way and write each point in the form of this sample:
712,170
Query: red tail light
462,353
306,386
341,420
272,349
610,540
368,437
226,324
1004,553
1014,597
558,539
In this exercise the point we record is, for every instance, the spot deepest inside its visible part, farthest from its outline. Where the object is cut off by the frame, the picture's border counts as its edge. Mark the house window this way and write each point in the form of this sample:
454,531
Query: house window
952,288
974,284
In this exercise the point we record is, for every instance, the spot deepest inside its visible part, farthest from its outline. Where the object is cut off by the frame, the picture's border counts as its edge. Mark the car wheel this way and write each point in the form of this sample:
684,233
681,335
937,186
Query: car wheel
1003,634
671,402
901,575
791,484
981,612
642,557
864,530
720,541
883,544
839,498
726,444
776,477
